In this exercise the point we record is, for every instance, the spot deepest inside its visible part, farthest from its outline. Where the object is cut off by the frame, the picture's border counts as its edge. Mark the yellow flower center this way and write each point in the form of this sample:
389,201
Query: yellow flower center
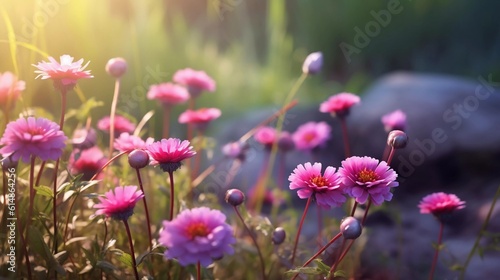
320,181
365,176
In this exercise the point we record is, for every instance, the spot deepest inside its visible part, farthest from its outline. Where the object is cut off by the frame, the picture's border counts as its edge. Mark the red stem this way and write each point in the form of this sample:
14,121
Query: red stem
262,263
132,254
198,271
300,227
145,208
32,195
320,251
106,165
434,261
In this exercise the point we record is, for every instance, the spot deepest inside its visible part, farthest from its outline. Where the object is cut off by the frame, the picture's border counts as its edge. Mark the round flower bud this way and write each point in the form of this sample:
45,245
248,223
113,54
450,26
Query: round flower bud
397,139
279,235
235,150
116,67
313,63
8,163
84,139
235,197
350,228
285,142
138,159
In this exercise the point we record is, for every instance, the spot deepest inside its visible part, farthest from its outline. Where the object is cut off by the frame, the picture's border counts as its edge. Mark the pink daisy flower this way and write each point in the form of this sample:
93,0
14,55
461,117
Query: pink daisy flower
64,74
169,153
119,203
266,136
195,81
339,104
127,143
200,118
326,188
86,162
10,88
168,93
394,121
122,124
197,235
366,177
440,203
26,137
311,135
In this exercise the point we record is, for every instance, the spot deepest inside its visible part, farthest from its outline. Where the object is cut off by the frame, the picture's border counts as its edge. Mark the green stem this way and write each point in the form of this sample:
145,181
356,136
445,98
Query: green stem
480,235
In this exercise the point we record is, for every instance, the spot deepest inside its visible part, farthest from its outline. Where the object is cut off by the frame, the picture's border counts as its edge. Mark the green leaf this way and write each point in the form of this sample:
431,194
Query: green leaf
457,267
88,185
44,191
304,270
40,247
83,112
89,256
126,259
322,266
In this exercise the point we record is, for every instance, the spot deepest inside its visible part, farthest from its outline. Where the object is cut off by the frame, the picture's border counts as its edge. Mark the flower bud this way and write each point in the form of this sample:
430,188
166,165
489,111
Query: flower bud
285,142
84,139
313,63
235,197
279,235
116,67
350,228
138,159
8,163
235,150
397,139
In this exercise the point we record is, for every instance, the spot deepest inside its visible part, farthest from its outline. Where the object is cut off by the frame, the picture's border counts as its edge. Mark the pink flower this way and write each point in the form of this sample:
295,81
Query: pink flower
326,189
266,136
127,143
394,121
195,81
339,104
86,162
440,203
64,74
122,124
197,235
201,117
119,203
311,135
29,137
235,150
366,177
10,88
168,93
169,153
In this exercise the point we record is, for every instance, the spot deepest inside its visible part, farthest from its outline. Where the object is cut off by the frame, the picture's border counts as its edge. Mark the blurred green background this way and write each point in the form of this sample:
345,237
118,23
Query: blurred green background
253,49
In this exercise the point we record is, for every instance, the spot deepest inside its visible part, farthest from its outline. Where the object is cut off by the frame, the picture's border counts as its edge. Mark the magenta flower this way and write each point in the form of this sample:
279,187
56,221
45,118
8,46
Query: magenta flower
168,93
394,121
37,137
440,203
86,162
119,203
197,235
339,104
366,177
200,118
122,124
195,81
266,136
10,88
64,74
169,153
326,189
127,143
235,150
311,135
